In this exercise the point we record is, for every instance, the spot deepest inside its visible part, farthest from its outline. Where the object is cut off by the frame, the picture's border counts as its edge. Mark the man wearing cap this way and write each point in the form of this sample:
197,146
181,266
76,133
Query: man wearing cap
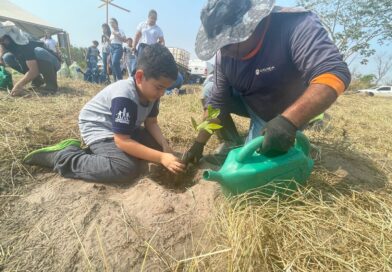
29,58
275,65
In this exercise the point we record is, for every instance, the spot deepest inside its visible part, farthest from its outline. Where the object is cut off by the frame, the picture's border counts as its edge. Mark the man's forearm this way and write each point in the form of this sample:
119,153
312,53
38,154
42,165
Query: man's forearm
316,99
29,76
136,39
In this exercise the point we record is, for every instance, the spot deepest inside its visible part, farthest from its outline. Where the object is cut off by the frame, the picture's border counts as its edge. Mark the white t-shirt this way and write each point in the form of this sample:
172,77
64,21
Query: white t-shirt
115,109
51,44
150,34
114,39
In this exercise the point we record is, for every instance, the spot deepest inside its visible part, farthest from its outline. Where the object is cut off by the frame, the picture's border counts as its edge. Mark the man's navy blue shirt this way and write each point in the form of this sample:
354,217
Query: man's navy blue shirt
296,49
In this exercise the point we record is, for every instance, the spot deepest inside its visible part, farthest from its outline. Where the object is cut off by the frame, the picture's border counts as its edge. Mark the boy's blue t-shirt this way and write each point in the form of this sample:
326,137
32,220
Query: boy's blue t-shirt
296,49
115,109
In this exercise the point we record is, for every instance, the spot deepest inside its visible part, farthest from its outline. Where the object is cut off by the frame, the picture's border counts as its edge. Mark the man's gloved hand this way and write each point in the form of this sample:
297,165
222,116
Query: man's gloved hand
194,154
279,136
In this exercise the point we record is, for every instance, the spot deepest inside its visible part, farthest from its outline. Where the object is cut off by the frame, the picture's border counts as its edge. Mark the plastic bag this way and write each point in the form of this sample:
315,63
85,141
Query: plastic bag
64,71
5,79
73,70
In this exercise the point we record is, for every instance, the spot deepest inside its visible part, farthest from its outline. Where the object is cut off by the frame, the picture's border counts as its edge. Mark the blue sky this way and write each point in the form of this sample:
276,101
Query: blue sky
179,20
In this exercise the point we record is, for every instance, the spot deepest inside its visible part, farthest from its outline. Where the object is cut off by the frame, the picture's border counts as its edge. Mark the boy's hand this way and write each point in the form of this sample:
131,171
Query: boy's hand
172,163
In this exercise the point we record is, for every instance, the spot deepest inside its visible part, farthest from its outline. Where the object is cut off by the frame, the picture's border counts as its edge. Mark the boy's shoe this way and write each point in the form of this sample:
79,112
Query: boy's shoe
45,156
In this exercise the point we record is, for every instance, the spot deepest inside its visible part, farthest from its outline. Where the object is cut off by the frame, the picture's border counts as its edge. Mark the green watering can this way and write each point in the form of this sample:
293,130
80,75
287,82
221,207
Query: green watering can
245,169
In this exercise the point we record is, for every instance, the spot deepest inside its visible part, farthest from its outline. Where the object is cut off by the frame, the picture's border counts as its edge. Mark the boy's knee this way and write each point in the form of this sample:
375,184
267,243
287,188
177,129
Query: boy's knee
124,172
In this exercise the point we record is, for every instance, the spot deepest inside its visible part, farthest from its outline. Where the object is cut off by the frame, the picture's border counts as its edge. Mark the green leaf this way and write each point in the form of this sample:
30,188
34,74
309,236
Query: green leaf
202,125
194,123
208,130
209,110
213,126
214,113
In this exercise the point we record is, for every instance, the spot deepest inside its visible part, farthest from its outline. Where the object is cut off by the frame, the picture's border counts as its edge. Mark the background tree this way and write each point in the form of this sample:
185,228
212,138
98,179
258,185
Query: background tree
383,66
359,81
78,54
353,25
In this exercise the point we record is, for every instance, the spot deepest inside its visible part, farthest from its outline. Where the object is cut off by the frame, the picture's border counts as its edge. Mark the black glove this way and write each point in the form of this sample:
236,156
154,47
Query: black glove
279,136
194,154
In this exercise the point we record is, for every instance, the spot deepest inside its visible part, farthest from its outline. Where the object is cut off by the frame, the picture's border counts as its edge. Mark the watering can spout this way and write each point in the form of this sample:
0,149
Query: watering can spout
212,175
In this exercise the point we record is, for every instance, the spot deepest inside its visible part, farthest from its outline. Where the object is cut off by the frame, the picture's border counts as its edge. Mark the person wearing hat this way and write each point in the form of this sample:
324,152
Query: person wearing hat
275,65
29,58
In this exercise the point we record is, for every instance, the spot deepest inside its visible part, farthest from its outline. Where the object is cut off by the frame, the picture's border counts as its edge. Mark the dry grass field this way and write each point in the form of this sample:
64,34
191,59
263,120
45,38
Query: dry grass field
341,221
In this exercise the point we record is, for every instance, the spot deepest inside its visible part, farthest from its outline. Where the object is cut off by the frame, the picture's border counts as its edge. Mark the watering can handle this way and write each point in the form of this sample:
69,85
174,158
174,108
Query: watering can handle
250,148
301,142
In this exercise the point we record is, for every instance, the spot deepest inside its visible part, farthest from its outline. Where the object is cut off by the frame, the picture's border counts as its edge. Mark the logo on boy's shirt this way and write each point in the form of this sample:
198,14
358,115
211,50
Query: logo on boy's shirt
264,70
122,117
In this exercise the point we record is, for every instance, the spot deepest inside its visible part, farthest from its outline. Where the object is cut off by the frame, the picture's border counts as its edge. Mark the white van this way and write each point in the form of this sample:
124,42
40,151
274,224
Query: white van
200,69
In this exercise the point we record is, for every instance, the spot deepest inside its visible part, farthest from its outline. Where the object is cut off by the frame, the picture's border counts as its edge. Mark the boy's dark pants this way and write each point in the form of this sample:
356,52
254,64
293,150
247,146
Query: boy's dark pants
103,161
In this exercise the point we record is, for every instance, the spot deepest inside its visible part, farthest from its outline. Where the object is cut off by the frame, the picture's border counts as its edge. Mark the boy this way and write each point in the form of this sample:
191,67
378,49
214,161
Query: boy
110,124
93,55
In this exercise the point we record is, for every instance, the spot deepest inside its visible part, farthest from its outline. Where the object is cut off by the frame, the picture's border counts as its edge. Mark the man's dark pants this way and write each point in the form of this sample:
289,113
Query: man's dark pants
48,65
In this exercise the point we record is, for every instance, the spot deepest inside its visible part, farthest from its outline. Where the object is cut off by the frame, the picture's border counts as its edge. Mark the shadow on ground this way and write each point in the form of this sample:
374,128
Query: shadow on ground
340,170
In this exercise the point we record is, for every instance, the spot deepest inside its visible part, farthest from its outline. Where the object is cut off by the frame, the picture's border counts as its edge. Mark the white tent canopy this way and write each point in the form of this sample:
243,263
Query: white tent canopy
26,21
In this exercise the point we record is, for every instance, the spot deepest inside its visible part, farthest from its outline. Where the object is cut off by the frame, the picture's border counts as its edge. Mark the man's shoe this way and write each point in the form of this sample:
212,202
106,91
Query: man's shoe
45,156
220,154
37,82
215,159
48,90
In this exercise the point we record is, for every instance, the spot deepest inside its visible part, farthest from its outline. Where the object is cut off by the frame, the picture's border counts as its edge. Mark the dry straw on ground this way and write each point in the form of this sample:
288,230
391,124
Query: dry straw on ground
340,222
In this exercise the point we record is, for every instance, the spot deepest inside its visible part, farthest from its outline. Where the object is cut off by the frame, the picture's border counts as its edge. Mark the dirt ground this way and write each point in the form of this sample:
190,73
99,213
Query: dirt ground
72,225
150,224
158,223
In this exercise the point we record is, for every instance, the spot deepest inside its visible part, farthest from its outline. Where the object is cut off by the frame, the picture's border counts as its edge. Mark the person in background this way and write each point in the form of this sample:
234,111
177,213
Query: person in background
129,56
148,32
274,65
50,43
105,42
30,58
208,84
111,125
177,84
117,38
92,56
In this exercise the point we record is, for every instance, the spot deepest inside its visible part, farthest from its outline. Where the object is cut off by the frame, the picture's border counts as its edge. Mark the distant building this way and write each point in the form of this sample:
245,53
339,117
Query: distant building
181,56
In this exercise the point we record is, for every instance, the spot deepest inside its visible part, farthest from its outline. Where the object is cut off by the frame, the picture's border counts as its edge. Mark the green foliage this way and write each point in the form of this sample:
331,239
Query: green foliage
352,25
207,125
359,82
78,54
